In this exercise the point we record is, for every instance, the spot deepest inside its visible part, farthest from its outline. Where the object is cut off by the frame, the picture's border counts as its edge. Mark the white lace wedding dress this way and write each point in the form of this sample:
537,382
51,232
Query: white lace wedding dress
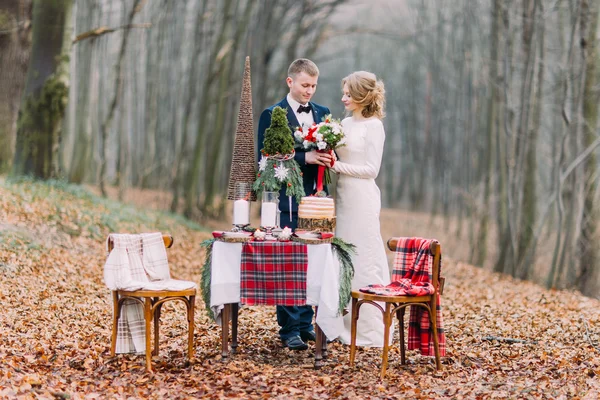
358,205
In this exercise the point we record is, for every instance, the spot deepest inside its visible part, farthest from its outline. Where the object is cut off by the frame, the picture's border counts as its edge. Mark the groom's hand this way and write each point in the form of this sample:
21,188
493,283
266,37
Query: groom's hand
314,157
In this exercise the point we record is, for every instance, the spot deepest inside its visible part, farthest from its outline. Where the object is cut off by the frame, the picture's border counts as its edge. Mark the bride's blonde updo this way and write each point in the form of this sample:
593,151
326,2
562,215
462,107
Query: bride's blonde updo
367,92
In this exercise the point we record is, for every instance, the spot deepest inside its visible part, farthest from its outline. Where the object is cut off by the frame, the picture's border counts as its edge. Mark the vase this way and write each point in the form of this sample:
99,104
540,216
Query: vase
269,212
241,205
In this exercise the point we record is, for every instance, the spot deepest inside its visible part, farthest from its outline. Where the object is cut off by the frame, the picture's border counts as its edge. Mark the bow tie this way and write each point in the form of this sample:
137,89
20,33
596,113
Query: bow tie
304,109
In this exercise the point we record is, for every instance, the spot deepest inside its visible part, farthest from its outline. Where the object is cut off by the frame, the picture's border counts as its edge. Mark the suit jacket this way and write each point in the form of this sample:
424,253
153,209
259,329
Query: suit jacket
309,171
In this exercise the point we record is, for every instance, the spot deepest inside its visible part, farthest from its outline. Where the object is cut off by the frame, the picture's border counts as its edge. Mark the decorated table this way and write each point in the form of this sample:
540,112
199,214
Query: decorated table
278,273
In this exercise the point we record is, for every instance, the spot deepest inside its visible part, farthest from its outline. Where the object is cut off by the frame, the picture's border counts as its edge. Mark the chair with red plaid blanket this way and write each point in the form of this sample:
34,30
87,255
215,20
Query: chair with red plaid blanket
416,282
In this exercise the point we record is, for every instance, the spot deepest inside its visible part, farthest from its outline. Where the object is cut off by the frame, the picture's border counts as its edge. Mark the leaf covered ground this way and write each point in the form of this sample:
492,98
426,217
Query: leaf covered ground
56,315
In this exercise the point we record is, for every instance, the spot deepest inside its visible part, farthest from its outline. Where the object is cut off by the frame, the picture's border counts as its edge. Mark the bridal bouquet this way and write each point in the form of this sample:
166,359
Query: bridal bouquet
324,137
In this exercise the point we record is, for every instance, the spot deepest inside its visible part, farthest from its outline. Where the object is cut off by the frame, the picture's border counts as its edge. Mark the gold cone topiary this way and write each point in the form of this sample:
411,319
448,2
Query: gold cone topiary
243,162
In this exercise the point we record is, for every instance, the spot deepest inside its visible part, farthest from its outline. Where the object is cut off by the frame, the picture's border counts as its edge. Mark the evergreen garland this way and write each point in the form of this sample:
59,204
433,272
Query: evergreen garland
344,252
205,278
266,179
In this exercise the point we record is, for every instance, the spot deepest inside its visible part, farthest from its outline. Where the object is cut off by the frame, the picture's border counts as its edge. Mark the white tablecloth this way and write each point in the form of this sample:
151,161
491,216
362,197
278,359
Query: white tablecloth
322,282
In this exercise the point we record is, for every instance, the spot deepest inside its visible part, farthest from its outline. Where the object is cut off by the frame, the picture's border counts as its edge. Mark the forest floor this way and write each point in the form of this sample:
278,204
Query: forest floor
56,316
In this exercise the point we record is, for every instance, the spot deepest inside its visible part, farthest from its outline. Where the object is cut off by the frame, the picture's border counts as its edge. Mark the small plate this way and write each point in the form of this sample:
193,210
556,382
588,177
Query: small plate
308,235
236,234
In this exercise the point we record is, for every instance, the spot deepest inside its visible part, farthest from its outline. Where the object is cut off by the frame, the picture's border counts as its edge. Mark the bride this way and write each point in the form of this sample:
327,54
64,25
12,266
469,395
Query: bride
358,200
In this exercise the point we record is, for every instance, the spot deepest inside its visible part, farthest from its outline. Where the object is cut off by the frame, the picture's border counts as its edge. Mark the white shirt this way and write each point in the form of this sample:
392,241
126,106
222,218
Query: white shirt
304,119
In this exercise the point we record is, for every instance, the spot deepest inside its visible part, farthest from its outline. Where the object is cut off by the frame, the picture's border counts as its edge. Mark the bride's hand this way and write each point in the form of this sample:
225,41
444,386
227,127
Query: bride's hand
333,158
314,157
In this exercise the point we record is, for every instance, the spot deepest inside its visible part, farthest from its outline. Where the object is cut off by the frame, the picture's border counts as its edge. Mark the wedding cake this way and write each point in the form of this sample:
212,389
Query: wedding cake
316,214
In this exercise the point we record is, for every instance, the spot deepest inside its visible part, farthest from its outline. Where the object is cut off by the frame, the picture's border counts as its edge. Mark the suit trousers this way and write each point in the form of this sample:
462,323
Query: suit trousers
293,319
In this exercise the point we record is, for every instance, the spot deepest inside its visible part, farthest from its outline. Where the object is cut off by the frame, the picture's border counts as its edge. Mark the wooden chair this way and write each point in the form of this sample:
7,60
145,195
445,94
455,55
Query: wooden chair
153,300
397,305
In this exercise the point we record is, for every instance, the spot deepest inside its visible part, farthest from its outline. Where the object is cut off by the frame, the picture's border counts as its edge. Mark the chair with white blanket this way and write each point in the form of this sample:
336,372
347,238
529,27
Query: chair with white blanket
137,272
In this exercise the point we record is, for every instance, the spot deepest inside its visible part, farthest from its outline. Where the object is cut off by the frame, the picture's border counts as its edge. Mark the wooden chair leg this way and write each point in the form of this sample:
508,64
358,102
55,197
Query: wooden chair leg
387,323
115,324
156,327
436,344
402,345
192,305
353,323
235,309
148,321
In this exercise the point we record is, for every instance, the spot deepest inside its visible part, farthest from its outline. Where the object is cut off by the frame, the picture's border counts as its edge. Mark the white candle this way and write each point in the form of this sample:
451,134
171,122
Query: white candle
241,212
268,214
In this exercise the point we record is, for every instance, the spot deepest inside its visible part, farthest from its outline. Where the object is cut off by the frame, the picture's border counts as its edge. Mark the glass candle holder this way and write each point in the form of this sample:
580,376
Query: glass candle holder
268,211
241,205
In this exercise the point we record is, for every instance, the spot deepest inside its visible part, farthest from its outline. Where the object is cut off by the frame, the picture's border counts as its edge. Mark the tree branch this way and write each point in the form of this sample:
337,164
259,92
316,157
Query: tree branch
102,30
508,340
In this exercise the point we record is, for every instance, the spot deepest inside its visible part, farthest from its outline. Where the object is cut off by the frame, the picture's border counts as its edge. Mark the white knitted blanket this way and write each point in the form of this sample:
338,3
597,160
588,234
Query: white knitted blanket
137,262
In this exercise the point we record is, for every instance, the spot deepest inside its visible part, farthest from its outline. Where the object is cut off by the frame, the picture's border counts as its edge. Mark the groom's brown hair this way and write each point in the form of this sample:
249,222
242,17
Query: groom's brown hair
303,65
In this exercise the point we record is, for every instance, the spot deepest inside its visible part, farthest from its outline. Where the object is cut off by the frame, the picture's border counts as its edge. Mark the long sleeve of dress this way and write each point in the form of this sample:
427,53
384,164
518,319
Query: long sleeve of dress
374,152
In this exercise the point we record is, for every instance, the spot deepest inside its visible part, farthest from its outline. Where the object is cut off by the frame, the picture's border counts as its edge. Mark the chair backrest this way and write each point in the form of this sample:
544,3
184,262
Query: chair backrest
167,239
436,251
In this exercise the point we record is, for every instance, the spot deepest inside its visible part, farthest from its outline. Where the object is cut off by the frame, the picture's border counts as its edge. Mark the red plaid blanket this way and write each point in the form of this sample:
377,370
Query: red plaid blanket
412,276
274,273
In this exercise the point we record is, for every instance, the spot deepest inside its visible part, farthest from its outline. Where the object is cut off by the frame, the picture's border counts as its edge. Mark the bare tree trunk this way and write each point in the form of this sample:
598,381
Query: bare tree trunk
555,267
46,91
587,244
81,99
104,129
492,123
576,189
528,188
178,172
215,155
505,248
15,47
193,176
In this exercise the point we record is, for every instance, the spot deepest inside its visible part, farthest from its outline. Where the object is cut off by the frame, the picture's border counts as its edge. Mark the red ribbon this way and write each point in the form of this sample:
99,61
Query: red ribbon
321,170
320,173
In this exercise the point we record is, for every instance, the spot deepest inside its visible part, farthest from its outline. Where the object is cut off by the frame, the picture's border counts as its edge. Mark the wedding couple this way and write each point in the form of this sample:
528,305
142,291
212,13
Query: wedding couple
358,200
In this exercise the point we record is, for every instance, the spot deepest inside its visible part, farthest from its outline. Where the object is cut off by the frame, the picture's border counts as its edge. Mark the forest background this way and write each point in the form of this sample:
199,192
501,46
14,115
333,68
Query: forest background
492,109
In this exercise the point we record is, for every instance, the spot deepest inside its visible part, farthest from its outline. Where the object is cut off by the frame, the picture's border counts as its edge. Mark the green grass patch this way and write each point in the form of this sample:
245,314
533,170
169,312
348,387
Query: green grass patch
75,210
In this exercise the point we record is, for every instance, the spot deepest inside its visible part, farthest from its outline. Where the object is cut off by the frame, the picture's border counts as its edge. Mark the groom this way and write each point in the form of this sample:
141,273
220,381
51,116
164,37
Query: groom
303,74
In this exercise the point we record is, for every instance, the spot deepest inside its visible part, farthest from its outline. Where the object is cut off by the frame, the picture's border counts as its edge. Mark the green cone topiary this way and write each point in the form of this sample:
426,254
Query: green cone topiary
278,137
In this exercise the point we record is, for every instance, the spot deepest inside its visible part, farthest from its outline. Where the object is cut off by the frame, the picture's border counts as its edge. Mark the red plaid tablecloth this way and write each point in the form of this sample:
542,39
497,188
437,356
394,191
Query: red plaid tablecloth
274,273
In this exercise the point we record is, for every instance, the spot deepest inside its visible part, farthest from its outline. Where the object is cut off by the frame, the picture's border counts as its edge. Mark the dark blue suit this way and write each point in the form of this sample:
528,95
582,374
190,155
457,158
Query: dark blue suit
293,319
